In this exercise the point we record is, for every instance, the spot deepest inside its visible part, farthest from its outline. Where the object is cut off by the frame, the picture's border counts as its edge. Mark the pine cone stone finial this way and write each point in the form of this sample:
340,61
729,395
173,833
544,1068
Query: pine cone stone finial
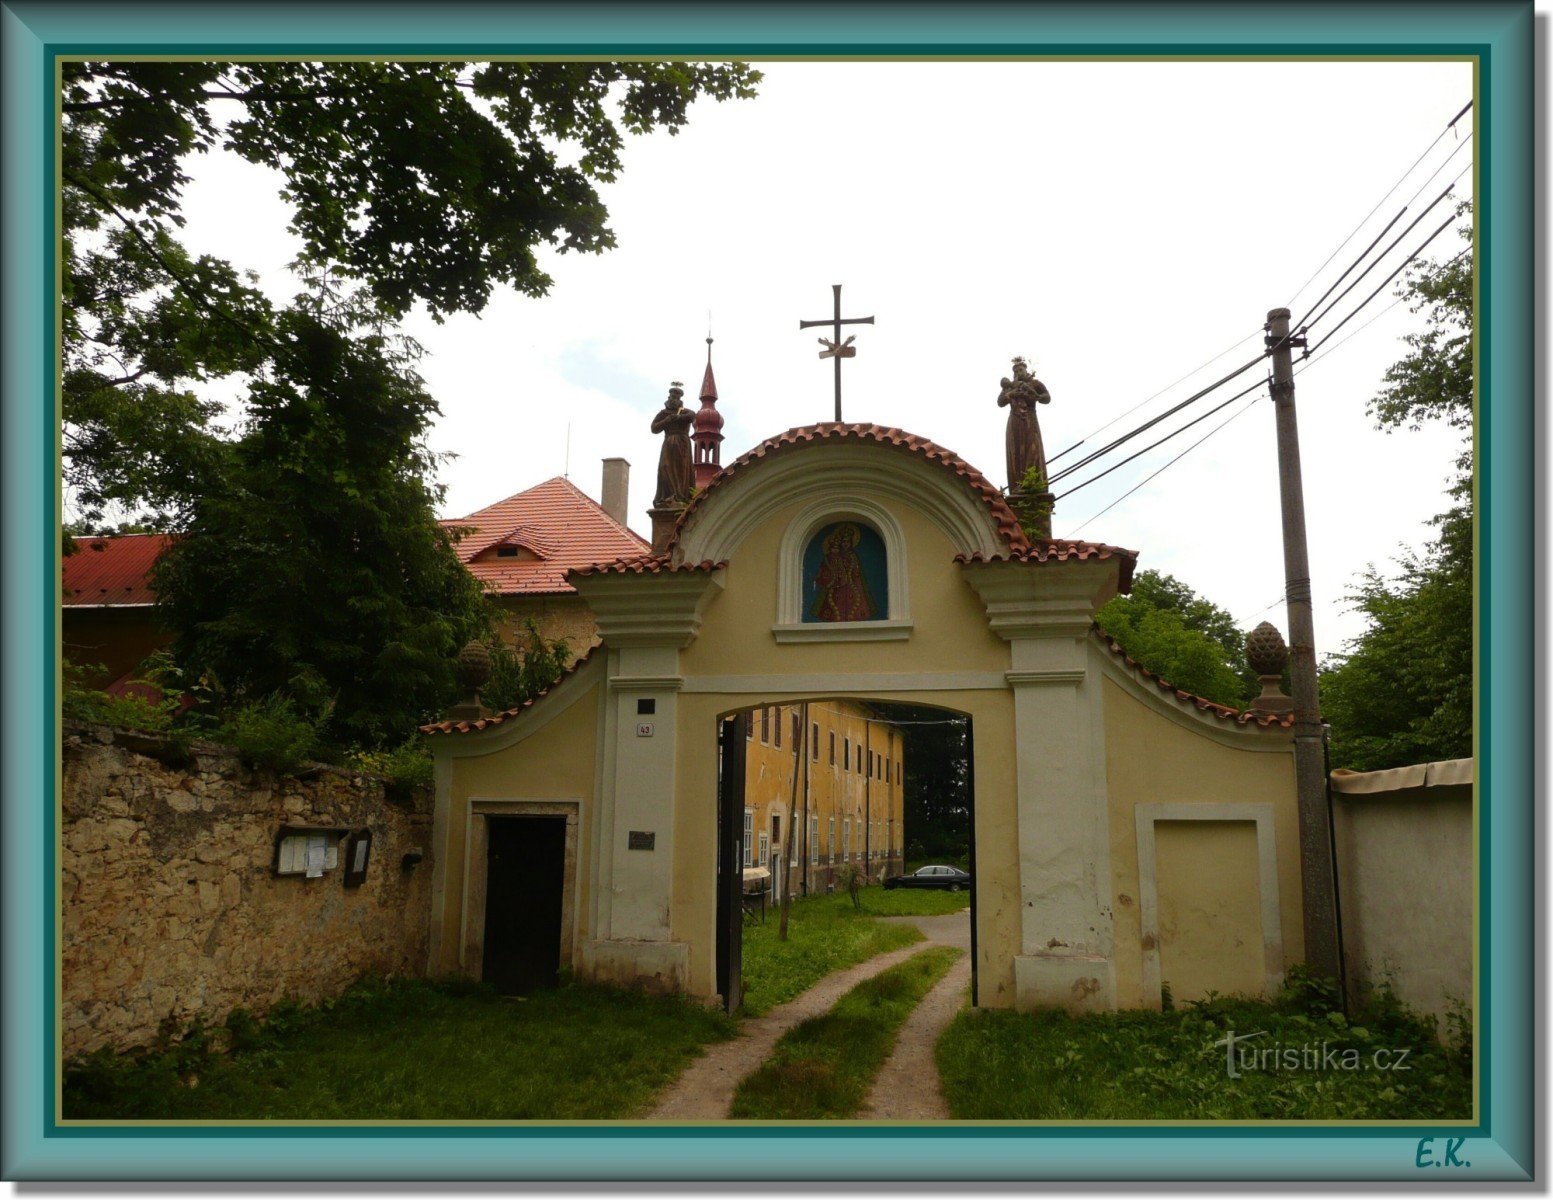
1268,655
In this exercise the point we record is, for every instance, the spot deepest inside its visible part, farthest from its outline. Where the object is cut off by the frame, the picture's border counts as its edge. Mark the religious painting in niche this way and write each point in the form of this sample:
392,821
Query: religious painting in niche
844,574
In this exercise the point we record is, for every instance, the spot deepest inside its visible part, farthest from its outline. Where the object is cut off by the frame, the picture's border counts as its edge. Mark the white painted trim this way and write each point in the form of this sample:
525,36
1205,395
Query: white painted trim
828,508
68,605
1044,678
838,475
646,683
1259,738
604,806
603,867
848,684
843,631
1267,878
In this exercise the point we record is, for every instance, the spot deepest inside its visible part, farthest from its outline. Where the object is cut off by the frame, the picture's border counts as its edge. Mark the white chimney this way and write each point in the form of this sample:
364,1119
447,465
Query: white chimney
617,484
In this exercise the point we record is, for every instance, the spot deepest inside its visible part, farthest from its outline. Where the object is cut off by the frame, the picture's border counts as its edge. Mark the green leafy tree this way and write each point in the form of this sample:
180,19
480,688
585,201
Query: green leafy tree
1182,637
1402,691
521,672
937,799
427,183
310,577
312,567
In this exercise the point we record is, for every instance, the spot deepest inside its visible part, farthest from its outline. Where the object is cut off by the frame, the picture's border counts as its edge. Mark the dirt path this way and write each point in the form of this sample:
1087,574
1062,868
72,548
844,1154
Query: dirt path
705,1090
906,1088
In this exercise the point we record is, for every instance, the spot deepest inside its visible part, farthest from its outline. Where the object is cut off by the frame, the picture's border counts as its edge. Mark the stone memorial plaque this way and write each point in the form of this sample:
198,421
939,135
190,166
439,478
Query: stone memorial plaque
639,839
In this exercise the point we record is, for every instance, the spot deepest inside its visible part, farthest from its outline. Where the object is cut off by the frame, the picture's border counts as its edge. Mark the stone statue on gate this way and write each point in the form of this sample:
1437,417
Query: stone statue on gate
675,471
1023,445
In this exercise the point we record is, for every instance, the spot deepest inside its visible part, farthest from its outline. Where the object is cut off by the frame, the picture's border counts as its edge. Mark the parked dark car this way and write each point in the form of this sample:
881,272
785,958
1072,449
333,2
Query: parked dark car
951,879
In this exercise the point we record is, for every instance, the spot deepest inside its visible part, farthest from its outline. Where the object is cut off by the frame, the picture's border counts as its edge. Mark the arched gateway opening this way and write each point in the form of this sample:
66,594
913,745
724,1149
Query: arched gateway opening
821,794
865,565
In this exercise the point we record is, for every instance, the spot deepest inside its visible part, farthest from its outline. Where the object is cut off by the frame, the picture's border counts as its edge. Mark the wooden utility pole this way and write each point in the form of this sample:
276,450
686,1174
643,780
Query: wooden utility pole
1322,951
801,749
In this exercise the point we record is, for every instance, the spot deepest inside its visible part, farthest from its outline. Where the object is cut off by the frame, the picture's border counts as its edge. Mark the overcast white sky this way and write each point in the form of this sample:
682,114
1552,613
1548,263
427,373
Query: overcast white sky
1120,224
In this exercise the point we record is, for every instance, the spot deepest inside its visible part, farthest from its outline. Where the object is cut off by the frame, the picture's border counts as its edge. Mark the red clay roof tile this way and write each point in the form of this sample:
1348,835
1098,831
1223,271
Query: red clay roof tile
556,520
112,571
1224,711
1063,550
646,564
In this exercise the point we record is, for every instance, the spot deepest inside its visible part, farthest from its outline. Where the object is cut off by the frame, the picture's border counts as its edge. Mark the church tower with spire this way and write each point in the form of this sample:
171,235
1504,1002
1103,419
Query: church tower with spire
708,436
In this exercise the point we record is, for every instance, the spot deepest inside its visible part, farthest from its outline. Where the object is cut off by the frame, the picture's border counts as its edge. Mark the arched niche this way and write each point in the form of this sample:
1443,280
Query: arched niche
883,559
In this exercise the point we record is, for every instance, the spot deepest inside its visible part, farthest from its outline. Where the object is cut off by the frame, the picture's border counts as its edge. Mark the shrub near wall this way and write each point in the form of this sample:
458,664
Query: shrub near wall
172,909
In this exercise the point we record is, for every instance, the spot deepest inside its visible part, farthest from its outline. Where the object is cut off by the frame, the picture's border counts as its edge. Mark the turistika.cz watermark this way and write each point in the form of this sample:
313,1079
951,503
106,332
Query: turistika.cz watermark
1243,1053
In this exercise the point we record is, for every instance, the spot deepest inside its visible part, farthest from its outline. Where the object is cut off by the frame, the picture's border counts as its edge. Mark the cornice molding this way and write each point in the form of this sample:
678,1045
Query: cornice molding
650,609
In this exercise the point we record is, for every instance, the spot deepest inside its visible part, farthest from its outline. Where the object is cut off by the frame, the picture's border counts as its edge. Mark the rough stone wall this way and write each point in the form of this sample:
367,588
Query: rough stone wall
171,905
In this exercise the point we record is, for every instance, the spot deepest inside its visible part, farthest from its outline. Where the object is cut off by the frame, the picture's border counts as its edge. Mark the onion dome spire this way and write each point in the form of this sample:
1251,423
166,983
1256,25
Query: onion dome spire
708,435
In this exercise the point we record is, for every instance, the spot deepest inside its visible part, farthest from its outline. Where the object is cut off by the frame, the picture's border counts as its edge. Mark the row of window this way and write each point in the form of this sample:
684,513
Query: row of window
770,724
757,852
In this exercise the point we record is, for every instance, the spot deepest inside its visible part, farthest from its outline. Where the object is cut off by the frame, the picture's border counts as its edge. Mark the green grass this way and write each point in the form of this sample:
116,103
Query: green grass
825,933
1166,1066
412,1050
823,1067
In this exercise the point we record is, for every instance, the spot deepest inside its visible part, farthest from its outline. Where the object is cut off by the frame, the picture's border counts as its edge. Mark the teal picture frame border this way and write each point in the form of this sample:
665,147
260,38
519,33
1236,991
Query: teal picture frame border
1499,1145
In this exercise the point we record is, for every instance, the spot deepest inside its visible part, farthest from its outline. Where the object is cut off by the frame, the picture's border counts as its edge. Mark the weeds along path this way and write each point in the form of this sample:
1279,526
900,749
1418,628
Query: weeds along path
907,1086
705,1090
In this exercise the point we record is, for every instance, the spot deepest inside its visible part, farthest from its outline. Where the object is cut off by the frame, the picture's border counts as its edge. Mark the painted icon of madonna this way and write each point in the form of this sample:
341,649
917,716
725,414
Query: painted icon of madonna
844,574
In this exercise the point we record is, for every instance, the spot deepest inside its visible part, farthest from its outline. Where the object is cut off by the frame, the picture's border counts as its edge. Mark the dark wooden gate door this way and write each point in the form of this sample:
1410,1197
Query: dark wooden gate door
524,875
730,859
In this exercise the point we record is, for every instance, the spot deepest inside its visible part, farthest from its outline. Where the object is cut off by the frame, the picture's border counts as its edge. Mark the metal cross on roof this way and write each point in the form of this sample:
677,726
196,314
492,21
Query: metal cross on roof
834,347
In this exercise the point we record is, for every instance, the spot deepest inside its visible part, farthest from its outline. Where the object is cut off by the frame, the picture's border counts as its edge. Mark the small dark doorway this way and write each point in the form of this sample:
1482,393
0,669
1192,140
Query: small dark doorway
523,894
730,859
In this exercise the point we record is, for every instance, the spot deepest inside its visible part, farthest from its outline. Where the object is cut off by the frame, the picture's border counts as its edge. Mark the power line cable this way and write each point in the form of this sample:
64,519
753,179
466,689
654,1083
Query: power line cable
1313,360
1401,212
1149,424
1117,442
1444,225
1173,433
1309,320
1298,370
1450,125
1265,608
1176,459
1221,354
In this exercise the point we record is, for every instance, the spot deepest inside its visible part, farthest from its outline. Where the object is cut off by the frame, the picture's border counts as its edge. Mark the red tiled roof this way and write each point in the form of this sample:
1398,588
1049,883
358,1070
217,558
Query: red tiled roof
1063,550
564,527
112,571
498,718
831,431
647,564
1223,711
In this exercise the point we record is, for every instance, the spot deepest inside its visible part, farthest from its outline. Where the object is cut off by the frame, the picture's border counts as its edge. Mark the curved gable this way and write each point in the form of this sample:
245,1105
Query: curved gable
843,464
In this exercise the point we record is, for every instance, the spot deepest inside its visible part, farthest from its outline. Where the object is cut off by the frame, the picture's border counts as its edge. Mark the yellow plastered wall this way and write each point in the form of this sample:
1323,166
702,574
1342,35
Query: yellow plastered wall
950,621
556,762
997,848
839,788
1210,938
950,634
1152,758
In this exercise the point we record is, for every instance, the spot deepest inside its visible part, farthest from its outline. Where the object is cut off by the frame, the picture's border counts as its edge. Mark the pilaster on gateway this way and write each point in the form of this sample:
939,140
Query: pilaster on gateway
1044,611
